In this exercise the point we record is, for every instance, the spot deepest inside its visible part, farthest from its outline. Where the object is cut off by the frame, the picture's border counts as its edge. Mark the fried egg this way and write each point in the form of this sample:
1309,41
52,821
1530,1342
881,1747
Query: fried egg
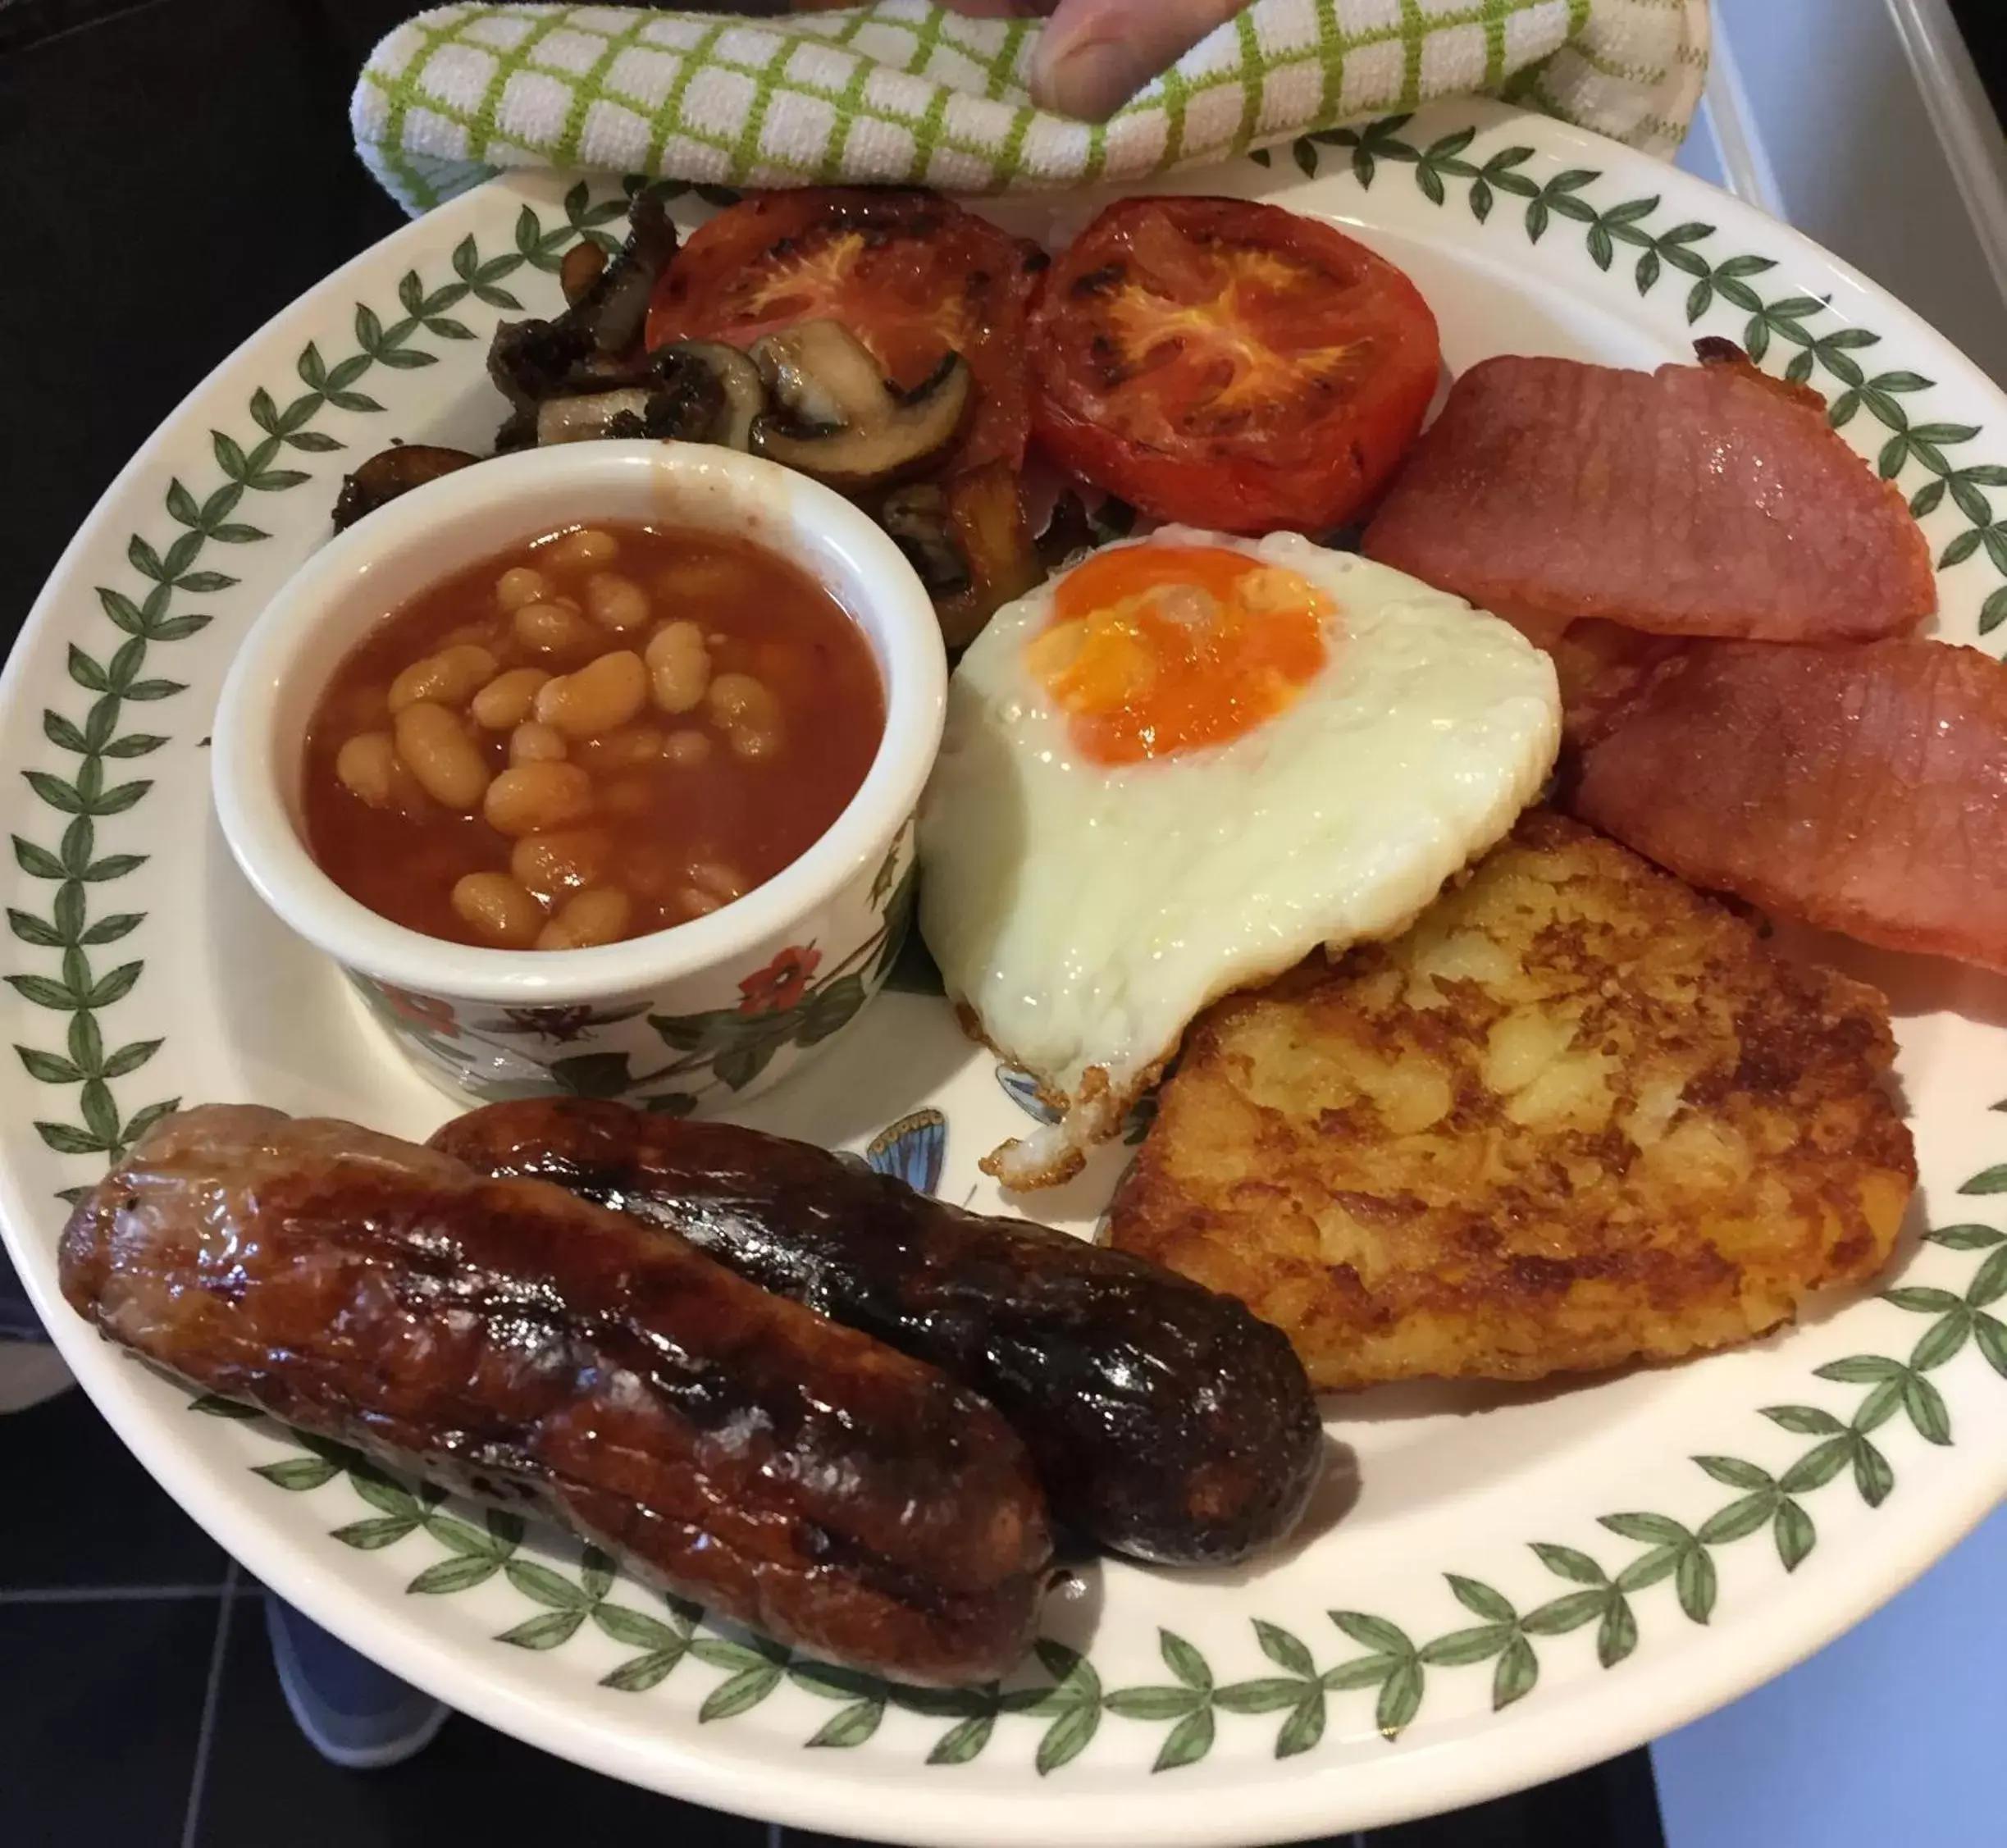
1179,768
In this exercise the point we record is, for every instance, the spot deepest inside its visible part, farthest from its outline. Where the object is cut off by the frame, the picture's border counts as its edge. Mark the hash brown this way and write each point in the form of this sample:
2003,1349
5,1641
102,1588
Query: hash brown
1580,1115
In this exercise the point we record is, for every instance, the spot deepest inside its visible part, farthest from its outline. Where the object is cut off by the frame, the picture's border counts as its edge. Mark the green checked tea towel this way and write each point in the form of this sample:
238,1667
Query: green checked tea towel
905,91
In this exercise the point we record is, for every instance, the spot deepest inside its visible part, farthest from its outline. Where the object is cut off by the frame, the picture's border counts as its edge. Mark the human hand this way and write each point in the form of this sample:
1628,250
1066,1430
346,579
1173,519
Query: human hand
1095,54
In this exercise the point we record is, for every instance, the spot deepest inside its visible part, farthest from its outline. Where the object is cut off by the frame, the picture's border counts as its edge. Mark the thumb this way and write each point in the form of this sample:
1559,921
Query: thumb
1094,55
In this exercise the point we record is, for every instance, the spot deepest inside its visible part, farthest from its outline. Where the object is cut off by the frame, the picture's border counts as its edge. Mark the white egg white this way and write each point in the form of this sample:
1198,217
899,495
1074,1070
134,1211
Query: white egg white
1084,914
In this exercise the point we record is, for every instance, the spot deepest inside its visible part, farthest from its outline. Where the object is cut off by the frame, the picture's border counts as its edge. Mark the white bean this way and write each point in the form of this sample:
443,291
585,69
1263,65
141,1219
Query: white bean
738,700
438,752
368,767
451,678
601,697
679,666
533,798
495,907
587,546
717,876
554,628
591,917
506,700
562,861
617,602
533,743
518,585
686,750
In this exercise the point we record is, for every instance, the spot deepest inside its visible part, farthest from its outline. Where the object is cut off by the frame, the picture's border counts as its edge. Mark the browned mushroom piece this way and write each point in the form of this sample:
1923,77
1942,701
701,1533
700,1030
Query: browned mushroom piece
970,543
695,391
986,514
615,303
744,391
1068,530
594,346
583,265
634,410
390,473
916,516
841,422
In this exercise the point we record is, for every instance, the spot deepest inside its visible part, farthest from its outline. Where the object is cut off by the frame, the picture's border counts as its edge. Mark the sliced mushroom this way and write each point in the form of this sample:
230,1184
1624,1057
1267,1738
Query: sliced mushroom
823,375
531,360
841,422
684,403
594,346
390,473
970,543
917,518
583,265
744,391
1067,532
614,306
986,516
602,413
696,391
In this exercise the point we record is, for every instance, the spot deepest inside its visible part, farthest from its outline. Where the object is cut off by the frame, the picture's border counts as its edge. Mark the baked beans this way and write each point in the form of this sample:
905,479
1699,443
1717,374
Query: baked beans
433,745
532,798
601,697
533,743
497,909
508,698
450,678
605,731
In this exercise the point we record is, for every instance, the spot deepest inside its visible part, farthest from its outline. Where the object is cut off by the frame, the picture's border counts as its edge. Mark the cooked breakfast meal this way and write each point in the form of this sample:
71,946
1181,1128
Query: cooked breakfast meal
1578,1116
599,733
1183,766
1461,1086
515,1341
1164,1422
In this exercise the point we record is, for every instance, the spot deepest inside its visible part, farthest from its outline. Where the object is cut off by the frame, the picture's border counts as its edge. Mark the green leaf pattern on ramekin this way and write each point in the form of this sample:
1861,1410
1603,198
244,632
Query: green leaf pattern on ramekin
1291,1677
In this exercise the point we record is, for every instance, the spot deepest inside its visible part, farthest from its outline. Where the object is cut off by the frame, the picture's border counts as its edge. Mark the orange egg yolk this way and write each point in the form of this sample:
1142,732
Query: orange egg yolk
1153,650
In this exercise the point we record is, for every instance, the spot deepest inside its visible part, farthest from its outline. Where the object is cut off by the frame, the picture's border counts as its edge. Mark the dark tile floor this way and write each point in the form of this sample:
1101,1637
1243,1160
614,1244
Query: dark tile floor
142,1710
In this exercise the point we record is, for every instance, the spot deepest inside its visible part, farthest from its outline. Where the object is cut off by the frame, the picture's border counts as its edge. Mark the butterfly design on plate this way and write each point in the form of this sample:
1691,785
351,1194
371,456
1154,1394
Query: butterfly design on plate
910,1150
1022,1089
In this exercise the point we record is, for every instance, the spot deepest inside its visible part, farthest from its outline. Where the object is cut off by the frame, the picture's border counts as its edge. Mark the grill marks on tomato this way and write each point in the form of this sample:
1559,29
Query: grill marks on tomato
1211,361
1235,355
1230,364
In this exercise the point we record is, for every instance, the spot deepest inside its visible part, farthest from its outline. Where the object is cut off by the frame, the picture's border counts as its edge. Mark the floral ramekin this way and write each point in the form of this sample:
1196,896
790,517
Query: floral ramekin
696,1016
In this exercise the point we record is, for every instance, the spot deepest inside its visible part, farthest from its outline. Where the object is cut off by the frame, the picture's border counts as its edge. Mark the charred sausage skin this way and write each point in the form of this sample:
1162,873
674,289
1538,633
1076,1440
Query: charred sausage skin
1166,1421
507,1336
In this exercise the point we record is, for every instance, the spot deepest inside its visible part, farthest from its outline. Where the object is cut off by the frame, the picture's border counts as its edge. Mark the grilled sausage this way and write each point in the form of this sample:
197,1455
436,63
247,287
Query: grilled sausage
1166,1421
791,1474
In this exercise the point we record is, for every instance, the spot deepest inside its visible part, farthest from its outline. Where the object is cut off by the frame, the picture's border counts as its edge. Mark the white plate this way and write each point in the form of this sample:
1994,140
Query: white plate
1502,1585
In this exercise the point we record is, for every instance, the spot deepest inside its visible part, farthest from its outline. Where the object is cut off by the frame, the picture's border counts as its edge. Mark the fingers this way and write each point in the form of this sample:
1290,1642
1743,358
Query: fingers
1095,54
988,9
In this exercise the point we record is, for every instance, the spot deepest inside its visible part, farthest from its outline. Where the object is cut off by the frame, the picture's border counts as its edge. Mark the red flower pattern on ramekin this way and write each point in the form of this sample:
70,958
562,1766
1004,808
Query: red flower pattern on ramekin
427,1013
782,982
